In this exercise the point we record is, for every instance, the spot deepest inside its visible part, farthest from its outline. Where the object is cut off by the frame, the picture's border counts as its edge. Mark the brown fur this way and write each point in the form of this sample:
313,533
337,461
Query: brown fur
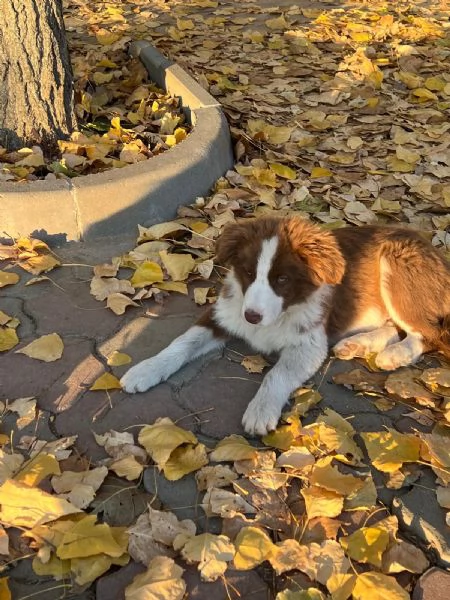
349,258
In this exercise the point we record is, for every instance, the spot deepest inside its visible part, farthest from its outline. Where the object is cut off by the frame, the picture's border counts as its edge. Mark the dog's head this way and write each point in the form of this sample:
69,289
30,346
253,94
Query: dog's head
278,263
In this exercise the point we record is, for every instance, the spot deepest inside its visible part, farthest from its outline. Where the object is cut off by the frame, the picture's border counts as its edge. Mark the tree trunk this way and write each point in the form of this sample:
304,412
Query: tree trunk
36,94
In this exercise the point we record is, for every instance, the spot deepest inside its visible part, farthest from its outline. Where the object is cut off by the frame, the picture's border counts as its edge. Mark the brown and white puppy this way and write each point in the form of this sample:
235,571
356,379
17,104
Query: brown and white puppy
296,289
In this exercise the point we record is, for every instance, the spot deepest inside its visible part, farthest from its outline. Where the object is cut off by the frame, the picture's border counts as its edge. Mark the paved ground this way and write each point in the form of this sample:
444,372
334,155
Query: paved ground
210,396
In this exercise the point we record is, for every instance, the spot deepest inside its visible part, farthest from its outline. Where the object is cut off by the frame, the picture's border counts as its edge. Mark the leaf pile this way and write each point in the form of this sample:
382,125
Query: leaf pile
123,118
287,506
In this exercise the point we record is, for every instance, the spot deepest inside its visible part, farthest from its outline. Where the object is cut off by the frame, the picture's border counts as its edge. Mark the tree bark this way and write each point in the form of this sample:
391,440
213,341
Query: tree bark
36,92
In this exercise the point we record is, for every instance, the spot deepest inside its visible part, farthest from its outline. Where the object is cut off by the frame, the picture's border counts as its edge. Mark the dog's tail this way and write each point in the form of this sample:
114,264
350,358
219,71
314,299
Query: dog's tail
443,343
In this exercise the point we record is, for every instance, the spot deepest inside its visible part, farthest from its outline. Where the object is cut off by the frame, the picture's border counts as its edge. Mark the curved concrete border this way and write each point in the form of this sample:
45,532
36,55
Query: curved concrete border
115,201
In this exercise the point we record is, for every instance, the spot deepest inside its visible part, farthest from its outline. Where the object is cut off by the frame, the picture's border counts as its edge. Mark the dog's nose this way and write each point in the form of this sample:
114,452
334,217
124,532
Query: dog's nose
252,317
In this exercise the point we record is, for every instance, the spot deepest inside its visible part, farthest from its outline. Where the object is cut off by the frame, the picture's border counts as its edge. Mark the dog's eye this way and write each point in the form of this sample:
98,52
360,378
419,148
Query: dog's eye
250,273
281,279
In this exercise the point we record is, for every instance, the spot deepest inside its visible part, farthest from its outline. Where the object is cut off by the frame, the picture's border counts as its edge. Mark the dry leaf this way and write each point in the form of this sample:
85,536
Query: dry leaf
388,450
254,364
107,381
162,580
23,506
8,278
161,439
102,287
232,447
212,552
253,546
47,348
118,359
184,460
119,302
177,265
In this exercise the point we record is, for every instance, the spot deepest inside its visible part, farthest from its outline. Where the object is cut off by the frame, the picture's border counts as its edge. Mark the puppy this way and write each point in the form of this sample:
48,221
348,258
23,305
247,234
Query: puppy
295,289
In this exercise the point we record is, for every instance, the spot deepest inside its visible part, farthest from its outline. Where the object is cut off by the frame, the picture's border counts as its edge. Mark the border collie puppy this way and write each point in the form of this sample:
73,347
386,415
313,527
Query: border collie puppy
295,289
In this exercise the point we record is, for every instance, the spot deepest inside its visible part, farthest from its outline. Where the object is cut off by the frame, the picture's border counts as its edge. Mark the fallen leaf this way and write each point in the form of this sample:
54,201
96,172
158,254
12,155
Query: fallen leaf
8,278
177,265
322,503
107,381
366,545
37,468
253,546
147,273
118,359
254,364
232,447
388,450
377,586
162,580
118,303
161,439
212,552
87,538
184,460
403,556
225,503
22,506
8,339
102,287
215,477
47,348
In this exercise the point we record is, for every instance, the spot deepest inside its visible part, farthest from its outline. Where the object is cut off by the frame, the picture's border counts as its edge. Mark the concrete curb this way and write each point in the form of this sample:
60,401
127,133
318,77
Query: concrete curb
114,202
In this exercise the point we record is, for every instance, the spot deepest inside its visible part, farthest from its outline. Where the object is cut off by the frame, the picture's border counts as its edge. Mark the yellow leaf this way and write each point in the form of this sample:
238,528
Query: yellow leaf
22,506
212,552
159,231
107,381
86,570
375,77
327,476
127,467
277,23
161,439
435,83
102,287
117,359
86,538
404,153
184,460
5,593
283,171
388,450
57,568
234,447
307,594
403,556
366,545
107,38
360,36
40,264
8,338
319,172
177,265
173,286
162,580
424,95
254,364
378,587
395,164
47,348
200,295
183,24
118,303
273,134
284,436
37,468
322,503
253,546
265,176
147,273
8,278
411,80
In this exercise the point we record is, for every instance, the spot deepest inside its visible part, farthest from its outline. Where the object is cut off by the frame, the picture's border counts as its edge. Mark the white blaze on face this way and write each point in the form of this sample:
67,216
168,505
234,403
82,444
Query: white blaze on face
260,297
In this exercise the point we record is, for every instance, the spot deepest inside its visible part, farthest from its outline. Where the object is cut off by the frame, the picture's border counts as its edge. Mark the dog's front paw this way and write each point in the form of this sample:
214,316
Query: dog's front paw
143,376
260,417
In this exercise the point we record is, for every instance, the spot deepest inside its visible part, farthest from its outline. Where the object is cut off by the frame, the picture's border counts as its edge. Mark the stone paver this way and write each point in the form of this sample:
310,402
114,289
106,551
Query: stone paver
433,585
209,396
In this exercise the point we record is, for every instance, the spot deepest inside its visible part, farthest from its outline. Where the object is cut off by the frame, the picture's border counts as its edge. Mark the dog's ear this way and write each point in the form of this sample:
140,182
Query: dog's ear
227,246
319,250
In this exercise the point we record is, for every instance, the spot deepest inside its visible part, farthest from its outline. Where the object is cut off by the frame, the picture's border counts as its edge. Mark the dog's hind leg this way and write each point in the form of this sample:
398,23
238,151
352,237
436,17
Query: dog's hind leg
414,288
362,344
